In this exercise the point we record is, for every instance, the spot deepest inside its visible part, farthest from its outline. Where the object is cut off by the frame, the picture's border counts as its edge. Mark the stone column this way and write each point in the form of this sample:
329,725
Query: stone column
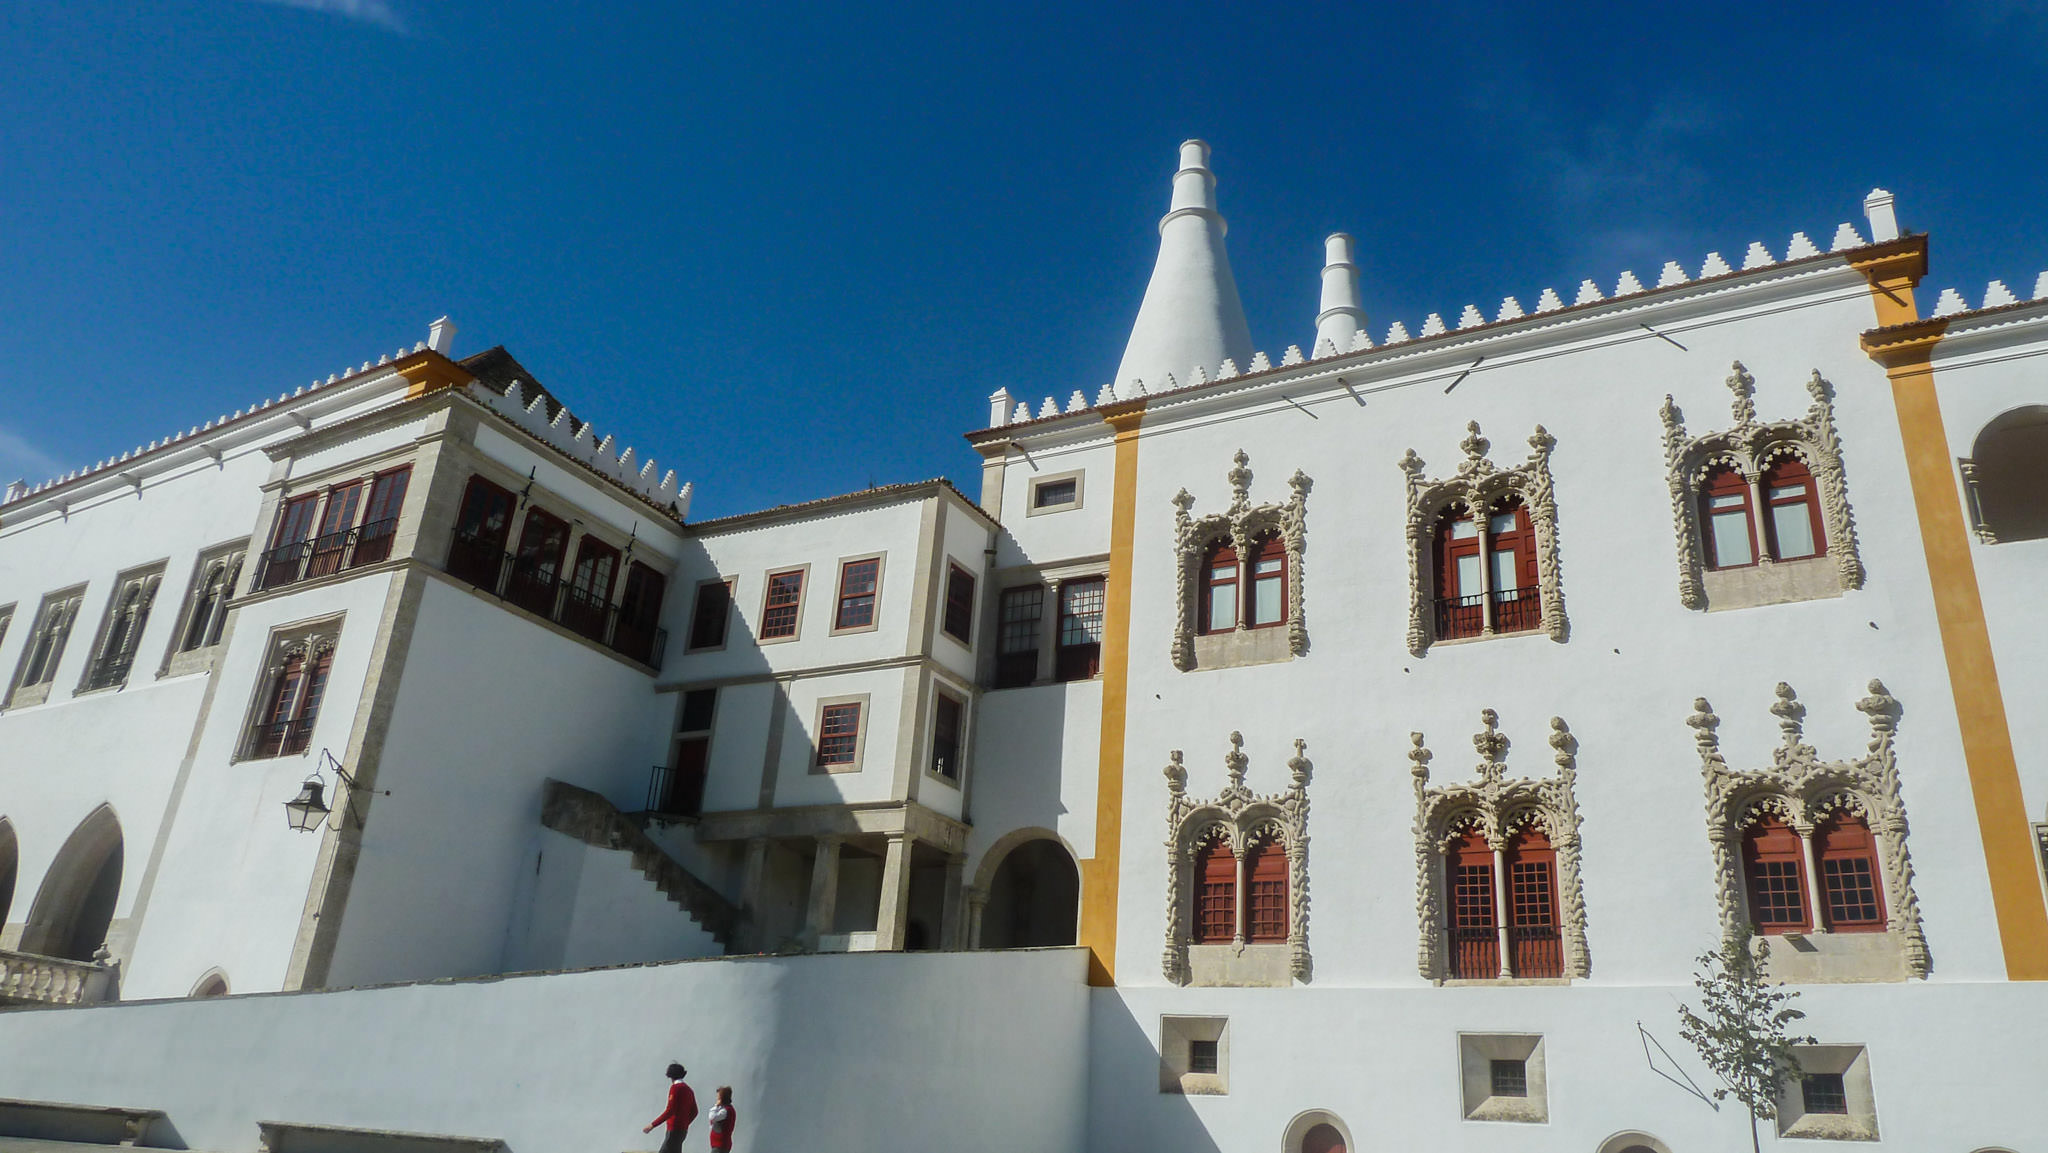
952,934
893,914
977,904
824,889
1500,908
1814,890
1237,913
752,876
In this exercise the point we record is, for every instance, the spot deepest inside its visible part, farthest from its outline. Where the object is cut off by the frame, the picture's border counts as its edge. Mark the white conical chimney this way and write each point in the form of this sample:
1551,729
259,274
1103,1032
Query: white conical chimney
1191,317
1342,316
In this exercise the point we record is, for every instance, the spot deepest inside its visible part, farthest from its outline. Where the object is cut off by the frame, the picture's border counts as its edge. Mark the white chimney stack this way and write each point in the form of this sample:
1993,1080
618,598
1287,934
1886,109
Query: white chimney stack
15,492
441,335
1343,316
999,408
1883,217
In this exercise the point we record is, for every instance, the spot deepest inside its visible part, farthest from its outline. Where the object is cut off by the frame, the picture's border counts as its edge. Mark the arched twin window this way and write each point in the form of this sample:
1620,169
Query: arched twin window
1486,578
1782,894
1262,916
1790,501
1503,904
1253,591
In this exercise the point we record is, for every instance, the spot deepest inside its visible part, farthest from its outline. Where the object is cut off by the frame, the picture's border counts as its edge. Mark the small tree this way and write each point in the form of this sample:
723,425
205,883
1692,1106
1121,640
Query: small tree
1741,1033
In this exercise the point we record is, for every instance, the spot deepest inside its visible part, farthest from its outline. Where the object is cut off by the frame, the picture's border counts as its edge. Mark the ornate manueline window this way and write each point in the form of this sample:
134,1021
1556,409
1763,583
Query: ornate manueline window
205,613
1237,878
1816,849
113,653
1757,506
1497,866
44,648
294,685
1482,547
1240,573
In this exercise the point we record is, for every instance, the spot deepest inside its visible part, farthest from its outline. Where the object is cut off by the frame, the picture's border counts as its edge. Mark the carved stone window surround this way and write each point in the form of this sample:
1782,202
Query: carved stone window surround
1497,806
1241,523
1479,484
1240,818
1749,447
1802,790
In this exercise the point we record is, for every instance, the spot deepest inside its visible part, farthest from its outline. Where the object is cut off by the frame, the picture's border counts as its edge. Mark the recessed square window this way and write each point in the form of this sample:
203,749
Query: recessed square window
1510,1078
1056,493
1202,1056
1502,1077
1824,1093
1832,1101
1194,1055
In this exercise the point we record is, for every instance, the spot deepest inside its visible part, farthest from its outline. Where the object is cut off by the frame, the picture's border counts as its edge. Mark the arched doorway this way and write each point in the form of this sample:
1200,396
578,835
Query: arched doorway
2008,472
214,984
10,864
1316,1131
1633,1141
1034,897
75,904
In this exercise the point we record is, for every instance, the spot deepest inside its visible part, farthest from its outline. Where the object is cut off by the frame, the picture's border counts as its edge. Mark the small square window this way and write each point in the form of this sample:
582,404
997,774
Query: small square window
1057,493
1202,1056
1194,1055
1832,1098
1510,1078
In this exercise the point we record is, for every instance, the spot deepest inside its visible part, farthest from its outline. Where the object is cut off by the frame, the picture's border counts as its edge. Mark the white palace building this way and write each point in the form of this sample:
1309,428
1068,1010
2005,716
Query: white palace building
1349,748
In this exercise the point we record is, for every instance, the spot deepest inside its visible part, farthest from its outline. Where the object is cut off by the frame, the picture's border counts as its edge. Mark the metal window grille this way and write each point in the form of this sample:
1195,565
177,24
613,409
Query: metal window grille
1510,1078
1824,1093
1204,1056
1017,635
1054,493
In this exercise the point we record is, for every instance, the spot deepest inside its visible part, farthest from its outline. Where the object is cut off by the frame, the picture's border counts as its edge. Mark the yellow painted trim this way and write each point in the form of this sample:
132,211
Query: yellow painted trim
2009,847
1102,873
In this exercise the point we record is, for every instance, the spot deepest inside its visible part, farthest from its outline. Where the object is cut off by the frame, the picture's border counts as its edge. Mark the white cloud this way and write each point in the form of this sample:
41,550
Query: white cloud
21,460
377,13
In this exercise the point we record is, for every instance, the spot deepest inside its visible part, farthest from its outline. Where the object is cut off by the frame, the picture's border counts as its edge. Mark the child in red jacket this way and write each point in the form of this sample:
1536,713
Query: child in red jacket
682,1109
722,1117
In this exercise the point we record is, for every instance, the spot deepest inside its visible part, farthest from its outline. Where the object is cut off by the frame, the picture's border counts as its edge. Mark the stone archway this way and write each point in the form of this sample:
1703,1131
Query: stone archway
1316,1131
74,906
10,865
213,984
1032,893
1633,1141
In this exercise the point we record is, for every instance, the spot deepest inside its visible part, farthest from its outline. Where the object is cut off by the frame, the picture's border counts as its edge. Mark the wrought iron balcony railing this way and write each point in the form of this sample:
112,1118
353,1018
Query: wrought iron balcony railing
326,554
519,581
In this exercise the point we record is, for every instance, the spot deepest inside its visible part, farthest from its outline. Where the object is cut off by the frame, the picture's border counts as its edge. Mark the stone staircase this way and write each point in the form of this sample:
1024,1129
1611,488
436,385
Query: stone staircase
588,817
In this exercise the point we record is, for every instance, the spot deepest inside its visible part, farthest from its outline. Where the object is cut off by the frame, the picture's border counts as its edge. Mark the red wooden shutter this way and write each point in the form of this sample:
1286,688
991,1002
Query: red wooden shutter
1215,895
1776,866
1535,946
1475,937
1852,895
1265,872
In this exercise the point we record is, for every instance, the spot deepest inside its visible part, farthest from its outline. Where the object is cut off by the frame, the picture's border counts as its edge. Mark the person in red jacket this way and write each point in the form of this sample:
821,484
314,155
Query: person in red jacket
721,1117
682,1109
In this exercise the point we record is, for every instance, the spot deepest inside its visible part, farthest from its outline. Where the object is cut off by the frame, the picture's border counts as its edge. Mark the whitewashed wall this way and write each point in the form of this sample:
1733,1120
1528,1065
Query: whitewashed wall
580,906
847,1052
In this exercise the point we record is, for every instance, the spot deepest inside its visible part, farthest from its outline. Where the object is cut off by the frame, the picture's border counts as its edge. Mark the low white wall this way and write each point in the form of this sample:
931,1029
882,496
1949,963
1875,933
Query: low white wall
855,1052
589,906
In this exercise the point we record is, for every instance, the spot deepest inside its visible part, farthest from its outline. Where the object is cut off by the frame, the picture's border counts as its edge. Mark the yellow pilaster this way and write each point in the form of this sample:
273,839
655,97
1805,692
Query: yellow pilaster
1101,874
1904,345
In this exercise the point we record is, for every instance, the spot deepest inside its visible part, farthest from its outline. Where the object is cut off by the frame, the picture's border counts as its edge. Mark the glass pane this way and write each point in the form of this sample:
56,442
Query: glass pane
1793,528
1787,491
1725,500
1500,523
1468,575
1223,606
1266,601
1464,529
1731,539
1504,568
1269,565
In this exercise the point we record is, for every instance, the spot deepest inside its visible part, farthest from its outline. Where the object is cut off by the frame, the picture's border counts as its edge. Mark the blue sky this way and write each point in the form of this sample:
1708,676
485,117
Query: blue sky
789,249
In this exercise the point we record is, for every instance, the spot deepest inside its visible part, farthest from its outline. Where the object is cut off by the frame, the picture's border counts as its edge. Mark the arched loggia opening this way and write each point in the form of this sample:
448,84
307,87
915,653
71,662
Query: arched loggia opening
1633,1141
10,866
75,904
1034,897
1316,1131
2007,474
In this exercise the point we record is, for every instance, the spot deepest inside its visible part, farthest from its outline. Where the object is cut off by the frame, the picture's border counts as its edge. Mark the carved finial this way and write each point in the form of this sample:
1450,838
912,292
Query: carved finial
1883,710
1176,774
1300,483
1240,477
1412,465
1790,713
1541,442
1298,765
1475,445
1183,501
1420,755
1490,741
1819,389
1563,742
1743,386
1674,420
1235,760
1704,722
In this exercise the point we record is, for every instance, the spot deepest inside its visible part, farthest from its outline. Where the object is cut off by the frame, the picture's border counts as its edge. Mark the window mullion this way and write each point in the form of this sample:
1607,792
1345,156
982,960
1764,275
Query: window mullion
1239,904
1500,908
1484,524
1816,885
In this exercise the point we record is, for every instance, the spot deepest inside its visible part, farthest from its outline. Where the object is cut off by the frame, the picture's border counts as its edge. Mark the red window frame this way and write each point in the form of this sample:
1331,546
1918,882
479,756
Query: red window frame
949,722
1215,911
639,617
1265,907
1460,612
1520,609
781,604
860,582
380,518
1535,941
838,734
1083,603
588,599
1851,885
287,725
337,517
294,527
683,792
1774,864
1268,550
1021,614
1722,482
958,622
483,523
1220,582
1783,473
1473,912
536,576
711,615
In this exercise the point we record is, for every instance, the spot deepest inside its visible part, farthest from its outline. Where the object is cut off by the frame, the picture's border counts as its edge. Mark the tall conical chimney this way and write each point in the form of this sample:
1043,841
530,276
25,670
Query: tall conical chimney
1342,316
1191,317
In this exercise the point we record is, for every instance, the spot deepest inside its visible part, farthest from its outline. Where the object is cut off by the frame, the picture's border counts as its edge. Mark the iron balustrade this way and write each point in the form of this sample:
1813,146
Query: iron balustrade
519,582
1535,951
1460,616
327,554
281,738
1517,610
675,791
1475,953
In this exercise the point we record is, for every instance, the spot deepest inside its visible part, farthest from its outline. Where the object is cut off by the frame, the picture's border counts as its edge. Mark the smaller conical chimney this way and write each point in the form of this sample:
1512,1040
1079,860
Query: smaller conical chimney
1342,316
